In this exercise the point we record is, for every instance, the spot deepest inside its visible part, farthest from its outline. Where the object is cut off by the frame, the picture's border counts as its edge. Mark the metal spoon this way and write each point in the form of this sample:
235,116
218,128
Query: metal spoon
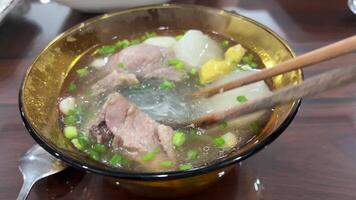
36,164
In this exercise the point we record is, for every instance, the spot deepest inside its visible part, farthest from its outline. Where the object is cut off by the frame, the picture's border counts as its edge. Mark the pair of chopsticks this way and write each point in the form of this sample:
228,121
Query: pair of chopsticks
317,84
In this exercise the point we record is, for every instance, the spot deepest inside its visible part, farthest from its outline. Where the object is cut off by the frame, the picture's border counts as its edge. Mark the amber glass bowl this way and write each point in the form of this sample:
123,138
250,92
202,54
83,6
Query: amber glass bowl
43,80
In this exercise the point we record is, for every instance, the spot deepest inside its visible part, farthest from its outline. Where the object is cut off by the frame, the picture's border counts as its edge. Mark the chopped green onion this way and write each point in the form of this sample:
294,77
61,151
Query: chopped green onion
219,141
121,65
107,49
193,71
135,41
116,160
166,163
225,44
83,141
77,144
192,154
70,132
88,93
179,66
151,155
185,166
93,154
122,44
254,127
178,37
82,72
241,99
178,138
253,65
100,148
223,124
70,120
72,87
166,85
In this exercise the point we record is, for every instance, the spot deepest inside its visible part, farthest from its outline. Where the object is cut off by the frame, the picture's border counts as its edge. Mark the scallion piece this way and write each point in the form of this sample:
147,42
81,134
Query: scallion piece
166,85
100,148
254,127
241,99
193,71
178,37
76,143
70,120
93,154
70,132
72,87
223,124
151,155
116,160
225,44
166,163
192,154
107,49
178,138
219,141
83,72
185,166
121,65
84,141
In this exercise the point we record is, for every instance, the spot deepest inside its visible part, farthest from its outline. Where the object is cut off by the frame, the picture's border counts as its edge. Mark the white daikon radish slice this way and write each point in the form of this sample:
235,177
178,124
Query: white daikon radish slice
196,48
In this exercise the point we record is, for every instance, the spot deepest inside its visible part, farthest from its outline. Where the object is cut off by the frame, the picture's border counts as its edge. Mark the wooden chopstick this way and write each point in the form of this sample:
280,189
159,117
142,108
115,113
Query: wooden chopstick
324,53
317,84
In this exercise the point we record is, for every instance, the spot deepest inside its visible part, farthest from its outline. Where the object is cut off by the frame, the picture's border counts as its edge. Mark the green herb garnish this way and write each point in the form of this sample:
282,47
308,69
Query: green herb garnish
121,65
116,160
70,120
151,155
192,154
193,71
82,72
254,127
166,163
249,60
70,132
107,49
225,44
223,125
100,148
77,144
93,154
178,37
72,87
166,85
185,166
219,141
178,138
241,99
178,64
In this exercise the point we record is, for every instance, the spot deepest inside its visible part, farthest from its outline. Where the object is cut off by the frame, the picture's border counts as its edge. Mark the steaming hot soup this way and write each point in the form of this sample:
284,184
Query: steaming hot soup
120,102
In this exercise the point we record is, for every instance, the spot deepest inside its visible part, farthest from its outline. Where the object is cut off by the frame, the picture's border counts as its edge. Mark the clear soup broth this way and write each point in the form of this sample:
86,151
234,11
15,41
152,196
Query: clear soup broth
121,101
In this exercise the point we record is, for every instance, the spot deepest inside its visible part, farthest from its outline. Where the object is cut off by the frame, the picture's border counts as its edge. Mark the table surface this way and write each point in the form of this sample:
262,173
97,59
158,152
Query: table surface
314,159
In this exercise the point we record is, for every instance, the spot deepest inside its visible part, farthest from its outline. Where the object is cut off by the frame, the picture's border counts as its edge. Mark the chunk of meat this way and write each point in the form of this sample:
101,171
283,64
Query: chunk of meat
112,80
146,61
134,130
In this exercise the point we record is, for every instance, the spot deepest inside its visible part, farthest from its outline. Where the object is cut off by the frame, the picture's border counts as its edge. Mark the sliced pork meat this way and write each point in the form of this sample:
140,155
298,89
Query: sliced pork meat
146,61
112,80
132,129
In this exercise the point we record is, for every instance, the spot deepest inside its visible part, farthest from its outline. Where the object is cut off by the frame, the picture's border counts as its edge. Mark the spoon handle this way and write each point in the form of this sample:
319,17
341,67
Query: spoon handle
25,189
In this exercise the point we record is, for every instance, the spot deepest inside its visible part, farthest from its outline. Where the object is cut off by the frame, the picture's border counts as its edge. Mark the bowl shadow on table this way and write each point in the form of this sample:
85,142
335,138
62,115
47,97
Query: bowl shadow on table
240,183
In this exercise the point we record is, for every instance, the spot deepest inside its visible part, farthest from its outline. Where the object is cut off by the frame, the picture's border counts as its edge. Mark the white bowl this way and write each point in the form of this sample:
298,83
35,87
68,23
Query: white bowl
98,6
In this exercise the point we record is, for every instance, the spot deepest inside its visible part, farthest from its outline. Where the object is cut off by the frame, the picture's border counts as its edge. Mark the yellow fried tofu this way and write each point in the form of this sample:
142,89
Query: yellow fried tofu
215,68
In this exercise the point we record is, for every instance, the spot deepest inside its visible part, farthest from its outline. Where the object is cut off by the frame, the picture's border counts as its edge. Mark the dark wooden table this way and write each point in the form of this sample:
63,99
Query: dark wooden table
314,159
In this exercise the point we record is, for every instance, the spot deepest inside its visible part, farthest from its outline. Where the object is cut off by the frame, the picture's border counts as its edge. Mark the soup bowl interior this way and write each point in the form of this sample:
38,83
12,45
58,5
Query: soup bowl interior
42,84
